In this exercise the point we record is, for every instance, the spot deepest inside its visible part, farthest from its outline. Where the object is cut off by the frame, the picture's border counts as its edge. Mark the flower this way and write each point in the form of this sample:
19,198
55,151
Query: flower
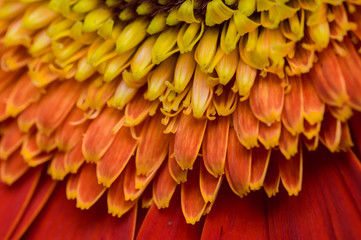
122,101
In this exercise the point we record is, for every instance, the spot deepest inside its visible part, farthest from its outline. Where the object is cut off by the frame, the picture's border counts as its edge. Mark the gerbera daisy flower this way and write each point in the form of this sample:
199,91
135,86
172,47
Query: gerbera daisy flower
180,119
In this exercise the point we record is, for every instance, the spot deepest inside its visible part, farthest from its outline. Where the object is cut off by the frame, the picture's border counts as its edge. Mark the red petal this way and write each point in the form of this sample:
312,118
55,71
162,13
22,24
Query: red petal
188,140
272,181
60,216
38,200
168,223
288,143
237,218
215,145
15,199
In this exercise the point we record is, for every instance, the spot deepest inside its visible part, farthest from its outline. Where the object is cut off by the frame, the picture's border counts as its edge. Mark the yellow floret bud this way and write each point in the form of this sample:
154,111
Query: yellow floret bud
59,29
229,36
95,19
84,70
243,23
38,17
157,24
189,35
217,12
126,14
116,65
165,45
101,51
84,6
122,95
184,71
172,18
207,48
157,79
247,7
186,12
144,8
320,35
9,10
142,60
132,35
245,76
227,66
201,93
40,45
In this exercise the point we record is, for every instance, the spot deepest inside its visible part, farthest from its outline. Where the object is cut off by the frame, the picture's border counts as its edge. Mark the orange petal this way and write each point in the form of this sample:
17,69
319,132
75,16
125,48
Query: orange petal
22,95
27,118
209,185
266,98
269,135
311,131
134,185
69,133
39,159
330,134
74,159
272,181
89,190
163,187
44,142
327,78
99,135
4,95
137,110
117,205
260,160
147,198
313,106
153,146
56,168
292,115
238,165
350,64
246,125
56,105
30,148
7,78
312,143
215,145
192,201
342,113
177,173
116,158
346,139
11,140
188,140
291,173
288,143
72,186
13,168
